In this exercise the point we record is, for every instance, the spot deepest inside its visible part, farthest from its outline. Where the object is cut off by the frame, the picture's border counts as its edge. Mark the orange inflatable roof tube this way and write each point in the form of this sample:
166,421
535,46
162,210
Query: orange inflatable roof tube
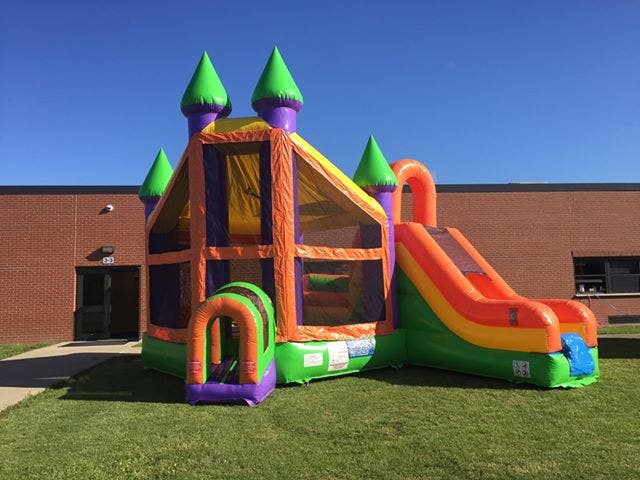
423,190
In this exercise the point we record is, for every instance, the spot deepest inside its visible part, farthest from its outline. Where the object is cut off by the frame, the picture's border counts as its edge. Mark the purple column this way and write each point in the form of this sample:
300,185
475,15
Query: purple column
149,204
266,221
384,196
199,116
385,199
279,112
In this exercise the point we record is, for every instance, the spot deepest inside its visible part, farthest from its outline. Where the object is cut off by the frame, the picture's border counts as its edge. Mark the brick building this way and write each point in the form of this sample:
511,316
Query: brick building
72,268
53,283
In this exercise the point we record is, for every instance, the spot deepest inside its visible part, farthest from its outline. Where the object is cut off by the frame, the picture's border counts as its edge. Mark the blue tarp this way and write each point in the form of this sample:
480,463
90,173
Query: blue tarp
577,352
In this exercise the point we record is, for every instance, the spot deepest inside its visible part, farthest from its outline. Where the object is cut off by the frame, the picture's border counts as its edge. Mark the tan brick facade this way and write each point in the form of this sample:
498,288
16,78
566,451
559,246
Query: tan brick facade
528,236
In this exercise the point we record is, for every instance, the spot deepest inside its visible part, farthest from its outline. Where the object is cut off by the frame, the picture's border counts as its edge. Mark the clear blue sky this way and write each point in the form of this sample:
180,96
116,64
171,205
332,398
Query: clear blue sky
481,91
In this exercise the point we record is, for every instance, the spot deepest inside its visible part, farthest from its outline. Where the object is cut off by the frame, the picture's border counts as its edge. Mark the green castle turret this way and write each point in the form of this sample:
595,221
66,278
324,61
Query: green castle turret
205,98
155,182
277,98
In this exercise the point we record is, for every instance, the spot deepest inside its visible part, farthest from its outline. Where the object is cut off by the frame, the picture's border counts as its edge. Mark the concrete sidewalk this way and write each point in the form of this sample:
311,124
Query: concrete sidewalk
33,371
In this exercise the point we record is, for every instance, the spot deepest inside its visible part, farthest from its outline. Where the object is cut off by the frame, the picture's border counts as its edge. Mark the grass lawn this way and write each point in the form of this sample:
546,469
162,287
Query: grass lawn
610,330
119,421
15,348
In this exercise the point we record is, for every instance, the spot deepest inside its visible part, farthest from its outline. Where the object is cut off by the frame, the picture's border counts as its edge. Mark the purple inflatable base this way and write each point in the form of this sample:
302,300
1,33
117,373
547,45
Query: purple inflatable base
250,393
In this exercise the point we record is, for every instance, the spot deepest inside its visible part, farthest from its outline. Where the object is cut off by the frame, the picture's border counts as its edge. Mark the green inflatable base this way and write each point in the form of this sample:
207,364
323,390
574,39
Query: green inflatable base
423,340
302,362
297,362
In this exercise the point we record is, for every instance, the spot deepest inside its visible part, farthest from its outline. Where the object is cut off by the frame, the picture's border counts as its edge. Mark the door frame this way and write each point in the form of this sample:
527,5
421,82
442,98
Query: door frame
105,271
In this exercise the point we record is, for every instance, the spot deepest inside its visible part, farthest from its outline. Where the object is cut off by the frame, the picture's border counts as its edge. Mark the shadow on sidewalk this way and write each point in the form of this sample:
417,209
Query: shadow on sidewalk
45,371
123,379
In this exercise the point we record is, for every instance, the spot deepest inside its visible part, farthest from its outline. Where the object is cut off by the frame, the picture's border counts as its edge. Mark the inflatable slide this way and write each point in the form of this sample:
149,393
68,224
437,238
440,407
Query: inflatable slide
461,315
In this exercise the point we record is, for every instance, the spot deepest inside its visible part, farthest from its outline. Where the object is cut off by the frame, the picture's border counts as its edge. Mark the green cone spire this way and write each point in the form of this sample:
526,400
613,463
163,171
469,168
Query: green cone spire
205,86
373,169
158,177
276,81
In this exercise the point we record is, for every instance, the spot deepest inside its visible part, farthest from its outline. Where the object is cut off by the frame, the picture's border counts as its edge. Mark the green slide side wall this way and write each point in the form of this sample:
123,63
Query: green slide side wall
430,343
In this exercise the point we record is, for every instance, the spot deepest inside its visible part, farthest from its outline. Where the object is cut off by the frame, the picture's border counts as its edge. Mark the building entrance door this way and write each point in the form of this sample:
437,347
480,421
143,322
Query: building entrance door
107,303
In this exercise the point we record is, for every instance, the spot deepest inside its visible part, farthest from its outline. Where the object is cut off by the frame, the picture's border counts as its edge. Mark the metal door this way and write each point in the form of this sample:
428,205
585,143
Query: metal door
93,304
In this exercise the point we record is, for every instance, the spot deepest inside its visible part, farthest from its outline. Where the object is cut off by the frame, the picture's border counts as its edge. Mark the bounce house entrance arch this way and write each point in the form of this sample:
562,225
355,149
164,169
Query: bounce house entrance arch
423,191
231,362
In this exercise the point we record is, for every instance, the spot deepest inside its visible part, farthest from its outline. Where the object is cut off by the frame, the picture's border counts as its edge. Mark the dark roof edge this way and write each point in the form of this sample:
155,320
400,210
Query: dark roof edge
444,188
67,189
536,187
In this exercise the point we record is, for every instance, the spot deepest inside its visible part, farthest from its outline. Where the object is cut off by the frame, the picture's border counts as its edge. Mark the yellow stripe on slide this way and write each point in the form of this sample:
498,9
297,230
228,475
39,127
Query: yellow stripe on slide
578,328
501,338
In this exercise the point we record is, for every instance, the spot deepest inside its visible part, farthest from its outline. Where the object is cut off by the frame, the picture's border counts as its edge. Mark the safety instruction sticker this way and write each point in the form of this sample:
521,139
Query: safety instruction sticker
338,355
362,347
312,359
521,369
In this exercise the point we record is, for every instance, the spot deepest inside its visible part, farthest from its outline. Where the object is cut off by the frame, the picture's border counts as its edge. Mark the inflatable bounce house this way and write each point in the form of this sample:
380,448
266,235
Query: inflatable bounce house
268,265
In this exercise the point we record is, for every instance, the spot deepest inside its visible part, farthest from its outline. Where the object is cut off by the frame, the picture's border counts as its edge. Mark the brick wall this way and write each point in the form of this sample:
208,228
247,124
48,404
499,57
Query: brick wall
44,237
530,238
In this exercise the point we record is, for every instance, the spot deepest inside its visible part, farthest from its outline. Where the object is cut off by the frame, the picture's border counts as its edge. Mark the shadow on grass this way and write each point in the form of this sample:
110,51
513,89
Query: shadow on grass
619,347
436,378
123,379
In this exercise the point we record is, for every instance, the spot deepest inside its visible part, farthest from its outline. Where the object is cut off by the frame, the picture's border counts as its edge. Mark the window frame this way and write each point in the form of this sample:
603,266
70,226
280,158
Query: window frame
606,277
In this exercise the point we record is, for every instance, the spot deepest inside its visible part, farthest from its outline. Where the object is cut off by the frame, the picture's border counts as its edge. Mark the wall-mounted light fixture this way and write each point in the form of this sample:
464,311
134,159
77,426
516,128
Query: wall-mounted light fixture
107,249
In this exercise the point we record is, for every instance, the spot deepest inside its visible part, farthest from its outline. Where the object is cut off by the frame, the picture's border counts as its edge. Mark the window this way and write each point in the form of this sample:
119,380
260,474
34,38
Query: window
93,289
607,275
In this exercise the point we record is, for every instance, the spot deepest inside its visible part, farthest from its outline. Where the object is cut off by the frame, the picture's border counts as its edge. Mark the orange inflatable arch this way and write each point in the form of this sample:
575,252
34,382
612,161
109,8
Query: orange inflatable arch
423,191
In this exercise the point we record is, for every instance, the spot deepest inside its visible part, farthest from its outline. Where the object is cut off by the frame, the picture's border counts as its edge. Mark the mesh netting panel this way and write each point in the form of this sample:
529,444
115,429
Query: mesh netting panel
327,216
246,270
342,292
252,270
237,196
170,294
171,229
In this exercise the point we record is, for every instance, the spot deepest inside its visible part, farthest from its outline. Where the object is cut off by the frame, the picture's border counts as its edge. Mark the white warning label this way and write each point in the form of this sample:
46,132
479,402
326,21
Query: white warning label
312,359
521,369
338,355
